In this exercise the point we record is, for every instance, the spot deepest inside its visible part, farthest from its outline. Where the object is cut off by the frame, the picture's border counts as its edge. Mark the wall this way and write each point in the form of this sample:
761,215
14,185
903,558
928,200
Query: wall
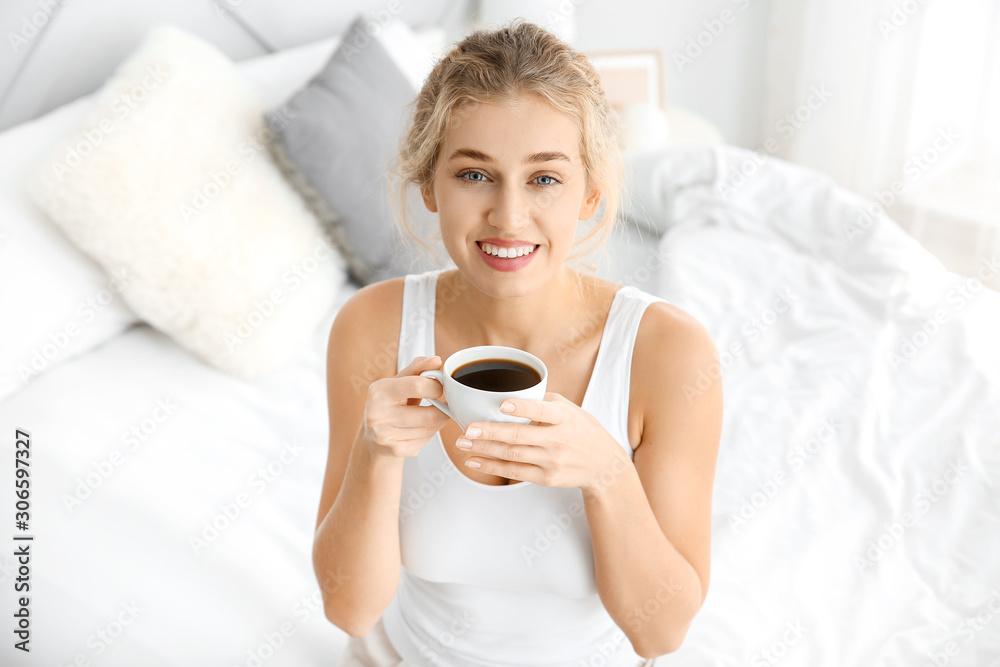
723,83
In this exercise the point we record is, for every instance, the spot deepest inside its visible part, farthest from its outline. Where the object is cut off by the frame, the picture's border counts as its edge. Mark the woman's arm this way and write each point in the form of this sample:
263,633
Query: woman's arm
356,553
651,522
356,546
356,549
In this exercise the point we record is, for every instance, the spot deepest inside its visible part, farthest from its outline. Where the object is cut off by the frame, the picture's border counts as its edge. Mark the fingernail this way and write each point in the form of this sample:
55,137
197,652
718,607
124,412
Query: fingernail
462,443
474,432
472,464
506,406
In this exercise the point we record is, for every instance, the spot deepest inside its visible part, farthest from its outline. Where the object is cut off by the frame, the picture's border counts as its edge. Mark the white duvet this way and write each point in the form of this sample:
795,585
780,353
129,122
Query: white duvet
856,512
857,503
173,509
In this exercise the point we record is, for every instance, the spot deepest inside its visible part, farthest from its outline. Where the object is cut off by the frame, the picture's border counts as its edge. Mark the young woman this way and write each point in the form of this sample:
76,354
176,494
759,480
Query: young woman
582,538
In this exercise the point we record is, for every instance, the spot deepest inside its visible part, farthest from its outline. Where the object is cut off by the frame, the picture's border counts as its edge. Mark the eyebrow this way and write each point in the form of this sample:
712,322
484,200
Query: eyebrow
544,156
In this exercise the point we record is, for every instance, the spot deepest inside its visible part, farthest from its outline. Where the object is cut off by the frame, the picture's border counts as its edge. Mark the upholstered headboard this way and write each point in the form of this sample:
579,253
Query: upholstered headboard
57,51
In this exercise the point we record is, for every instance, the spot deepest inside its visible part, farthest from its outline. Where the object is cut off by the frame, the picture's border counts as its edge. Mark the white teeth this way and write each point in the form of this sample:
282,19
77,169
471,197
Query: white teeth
498,251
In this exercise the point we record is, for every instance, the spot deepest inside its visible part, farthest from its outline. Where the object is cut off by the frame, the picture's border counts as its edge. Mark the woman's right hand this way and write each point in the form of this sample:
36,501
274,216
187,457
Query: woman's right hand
394,423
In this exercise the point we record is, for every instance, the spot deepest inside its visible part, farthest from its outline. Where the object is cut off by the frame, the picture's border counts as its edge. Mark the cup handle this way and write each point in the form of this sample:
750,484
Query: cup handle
439,376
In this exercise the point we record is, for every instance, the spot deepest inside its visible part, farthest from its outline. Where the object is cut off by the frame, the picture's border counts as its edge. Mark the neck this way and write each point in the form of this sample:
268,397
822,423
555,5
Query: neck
531,322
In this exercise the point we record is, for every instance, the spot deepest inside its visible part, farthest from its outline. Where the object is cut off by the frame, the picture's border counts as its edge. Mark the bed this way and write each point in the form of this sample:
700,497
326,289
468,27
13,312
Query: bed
856,515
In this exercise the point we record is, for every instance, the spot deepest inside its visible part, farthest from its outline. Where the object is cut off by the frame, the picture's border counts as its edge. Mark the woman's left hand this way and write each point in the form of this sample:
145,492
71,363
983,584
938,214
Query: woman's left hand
563,446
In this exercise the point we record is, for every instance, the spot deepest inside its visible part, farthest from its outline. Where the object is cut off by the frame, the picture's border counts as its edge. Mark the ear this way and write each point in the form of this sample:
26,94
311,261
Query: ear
589,206
429,200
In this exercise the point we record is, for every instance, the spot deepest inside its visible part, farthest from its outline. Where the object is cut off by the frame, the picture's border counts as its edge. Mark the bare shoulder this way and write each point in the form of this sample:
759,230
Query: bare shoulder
675,364
366,331
373,303
670,328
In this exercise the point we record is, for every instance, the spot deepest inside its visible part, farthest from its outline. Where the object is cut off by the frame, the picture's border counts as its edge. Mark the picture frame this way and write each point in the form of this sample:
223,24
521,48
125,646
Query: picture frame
631,76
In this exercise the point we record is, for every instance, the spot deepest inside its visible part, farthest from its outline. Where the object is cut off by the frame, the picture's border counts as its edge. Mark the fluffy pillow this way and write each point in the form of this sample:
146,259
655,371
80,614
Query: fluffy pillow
168,179
345,128
49,316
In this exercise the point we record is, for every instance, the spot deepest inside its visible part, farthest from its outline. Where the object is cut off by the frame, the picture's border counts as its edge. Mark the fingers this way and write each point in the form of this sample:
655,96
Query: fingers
549,411
408,384
416,386
400,388
419,365
394,418
509,432
422,417
503,450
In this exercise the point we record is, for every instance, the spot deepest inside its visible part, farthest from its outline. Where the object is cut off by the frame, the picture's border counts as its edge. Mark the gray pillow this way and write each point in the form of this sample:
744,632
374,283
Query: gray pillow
336,137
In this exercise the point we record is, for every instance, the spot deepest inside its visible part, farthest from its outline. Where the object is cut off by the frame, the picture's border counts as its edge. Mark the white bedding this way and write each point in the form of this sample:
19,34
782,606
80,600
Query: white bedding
857,506
114,531
115,578
786,582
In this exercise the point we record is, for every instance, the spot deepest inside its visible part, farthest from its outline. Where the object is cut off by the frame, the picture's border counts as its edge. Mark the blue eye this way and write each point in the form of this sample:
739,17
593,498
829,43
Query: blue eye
483,178
472,173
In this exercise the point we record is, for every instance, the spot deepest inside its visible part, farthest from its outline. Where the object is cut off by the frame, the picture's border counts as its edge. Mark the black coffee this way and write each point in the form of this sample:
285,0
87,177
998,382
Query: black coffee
497,375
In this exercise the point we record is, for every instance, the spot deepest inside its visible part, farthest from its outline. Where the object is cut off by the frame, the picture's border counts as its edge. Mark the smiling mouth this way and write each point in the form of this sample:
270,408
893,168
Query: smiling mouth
506,253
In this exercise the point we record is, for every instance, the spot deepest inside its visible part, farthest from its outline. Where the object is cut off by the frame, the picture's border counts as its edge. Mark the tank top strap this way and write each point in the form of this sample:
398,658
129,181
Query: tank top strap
612,374
416,327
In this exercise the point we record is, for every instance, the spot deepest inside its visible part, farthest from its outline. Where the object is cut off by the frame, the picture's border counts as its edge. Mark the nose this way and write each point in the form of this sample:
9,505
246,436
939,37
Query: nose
510,210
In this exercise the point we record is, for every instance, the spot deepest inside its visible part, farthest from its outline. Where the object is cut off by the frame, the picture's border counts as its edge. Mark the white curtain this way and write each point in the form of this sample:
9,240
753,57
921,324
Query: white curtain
877,92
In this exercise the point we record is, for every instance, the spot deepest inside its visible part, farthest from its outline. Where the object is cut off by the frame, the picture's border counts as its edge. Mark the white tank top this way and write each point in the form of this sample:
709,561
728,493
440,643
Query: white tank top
495,576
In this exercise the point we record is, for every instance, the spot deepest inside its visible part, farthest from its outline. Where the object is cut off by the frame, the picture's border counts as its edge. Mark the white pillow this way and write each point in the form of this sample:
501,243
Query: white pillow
168,178
57,303
652,183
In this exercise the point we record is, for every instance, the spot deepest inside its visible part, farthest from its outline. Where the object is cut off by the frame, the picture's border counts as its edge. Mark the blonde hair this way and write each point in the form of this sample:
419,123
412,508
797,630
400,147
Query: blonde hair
499,66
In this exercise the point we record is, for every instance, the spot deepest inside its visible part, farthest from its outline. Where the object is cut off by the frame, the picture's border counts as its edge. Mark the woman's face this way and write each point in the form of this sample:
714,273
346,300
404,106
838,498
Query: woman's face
510,188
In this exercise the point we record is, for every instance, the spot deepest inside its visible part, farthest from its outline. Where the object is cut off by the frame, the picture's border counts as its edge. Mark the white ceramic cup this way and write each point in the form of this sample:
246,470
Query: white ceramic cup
467,404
